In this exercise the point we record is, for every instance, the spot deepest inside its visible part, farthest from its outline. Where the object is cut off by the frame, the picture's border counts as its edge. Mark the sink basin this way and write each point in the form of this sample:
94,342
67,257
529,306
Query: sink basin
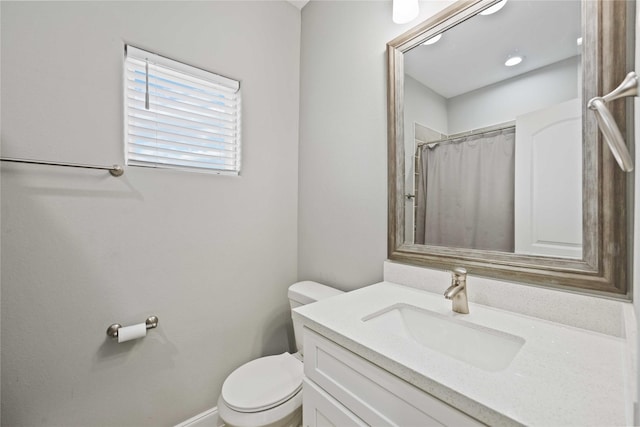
482,347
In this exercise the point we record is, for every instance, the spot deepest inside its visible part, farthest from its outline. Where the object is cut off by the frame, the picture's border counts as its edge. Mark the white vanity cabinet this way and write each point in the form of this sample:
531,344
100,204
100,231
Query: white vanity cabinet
343,389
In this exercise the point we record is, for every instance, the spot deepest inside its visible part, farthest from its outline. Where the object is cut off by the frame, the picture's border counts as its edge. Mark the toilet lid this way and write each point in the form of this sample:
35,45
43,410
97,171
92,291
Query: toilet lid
263,383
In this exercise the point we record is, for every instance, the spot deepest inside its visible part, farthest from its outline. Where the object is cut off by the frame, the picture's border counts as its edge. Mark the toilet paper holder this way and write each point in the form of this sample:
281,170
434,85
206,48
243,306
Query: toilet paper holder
151,322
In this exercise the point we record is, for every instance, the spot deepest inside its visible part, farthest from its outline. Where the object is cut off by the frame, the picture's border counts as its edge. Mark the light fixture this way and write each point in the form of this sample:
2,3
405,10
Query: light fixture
493,9
513,59
433,39
579,41
405,11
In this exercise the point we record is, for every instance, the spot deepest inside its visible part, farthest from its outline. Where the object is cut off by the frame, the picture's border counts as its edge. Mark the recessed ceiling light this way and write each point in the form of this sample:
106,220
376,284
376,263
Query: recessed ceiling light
513,60
433,39
405,11
493,9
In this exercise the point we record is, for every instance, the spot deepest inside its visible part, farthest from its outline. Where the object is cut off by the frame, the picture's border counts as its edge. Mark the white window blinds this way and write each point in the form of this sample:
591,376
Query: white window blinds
178,116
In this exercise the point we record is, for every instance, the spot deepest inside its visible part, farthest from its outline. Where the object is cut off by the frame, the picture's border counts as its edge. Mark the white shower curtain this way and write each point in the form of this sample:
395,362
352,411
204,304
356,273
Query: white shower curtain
465,192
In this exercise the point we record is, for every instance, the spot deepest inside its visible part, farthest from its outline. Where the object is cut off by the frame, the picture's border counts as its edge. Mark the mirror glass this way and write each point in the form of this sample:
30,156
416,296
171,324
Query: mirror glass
493,132
495,162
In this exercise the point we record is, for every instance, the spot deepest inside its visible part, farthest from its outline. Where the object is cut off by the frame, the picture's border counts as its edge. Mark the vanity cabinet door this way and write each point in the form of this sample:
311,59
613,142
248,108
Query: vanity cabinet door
374,395
321,410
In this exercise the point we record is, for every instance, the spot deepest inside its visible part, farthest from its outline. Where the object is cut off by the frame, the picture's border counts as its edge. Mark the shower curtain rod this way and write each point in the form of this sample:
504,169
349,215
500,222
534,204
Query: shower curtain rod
502,126
496,128
115,170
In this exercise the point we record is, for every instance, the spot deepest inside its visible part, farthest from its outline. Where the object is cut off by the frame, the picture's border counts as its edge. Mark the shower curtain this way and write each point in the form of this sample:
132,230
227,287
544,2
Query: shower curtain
465,192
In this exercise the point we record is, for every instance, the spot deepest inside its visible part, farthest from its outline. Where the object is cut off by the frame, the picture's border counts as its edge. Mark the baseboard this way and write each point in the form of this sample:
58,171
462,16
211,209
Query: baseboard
208,418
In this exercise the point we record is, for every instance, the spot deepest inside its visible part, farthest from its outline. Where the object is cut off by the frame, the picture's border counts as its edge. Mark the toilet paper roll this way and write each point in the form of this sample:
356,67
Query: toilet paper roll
127,333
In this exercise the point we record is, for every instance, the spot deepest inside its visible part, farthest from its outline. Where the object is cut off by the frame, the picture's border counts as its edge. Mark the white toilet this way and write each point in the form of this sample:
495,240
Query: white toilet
267,392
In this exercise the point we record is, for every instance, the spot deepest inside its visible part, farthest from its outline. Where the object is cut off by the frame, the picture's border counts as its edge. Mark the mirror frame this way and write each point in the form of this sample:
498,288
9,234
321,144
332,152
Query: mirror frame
606,241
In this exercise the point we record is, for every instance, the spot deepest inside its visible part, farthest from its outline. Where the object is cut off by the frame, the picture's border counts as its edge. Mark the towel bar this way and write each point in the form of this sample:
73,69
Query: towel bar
608,126
115,170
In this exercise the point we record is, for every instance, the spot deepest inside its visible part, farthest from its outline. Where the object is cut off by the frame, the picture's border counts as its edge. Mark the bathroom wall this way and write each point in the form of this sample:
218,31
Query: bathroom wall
423,106
503,101
490,105
211,256
343,139
486,106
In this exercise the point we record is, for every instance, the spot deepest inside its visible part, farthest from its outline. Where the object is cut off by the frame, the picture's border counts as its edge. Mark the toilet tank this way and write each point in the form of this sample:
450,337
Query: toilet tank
302,293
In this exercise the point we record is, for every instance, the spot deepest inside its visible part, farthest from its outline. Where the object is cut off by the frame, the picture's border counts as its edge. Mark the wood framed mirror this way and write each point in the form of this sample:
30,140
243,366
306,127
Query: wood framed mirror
566,223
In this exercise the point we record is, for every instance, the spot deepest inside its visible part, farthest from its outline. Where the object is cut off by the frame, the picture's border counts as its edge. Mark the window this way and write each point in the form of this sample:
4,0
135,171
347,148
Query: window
178,116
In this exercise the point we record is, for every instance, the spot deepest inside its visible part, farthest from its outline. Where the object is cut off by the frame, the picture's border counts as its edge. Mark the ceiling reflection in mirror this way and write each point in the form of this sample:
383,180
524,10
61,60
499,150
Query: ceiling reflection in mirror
493,153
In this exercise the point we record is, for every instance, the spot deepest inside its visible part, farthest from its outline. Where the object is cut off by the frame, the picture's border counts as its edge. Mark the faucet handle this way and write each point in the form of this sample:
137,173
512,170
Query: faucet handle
459,271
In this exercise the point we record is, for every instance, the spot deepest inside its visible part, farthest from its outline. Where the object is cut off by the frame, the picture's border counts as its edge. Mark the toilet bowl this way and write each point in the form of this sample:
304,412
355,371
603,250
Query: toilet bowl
264,392
267,392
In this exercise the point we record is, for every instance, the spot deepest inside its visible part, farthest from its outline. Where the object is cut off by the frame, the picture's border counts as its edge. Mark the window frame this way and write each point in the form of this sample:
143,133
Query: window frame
212,145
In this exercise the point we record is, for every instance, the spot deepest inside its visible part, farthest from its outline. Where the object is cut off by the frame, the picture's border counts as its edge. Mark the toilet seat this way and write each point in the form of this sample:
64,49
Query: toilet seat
263,383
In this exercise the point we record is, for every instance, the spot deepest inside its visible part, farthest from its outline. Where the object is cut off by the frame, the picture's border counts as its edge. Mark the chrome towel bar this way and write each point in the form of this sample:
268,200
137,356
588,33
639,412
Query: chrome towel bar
115,170
608,126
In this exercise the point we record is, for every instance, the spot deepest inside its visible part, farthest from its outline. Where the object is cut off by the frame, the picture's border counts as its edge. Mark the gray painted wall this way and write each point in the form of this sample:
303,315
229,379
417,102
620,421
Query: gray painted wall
424,106
504,101
343,139
211,256
490,105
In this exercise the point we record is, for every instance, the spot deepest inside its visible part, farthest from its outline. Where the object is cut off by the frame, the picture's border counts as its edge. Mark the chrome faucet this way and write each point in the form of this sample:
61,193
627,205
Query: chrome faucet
457,292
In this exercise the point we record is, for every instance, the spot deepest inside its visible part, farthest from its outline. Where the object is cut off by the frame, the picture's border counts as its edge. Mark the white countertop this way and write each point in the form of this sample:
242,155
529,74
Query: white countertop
562,376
